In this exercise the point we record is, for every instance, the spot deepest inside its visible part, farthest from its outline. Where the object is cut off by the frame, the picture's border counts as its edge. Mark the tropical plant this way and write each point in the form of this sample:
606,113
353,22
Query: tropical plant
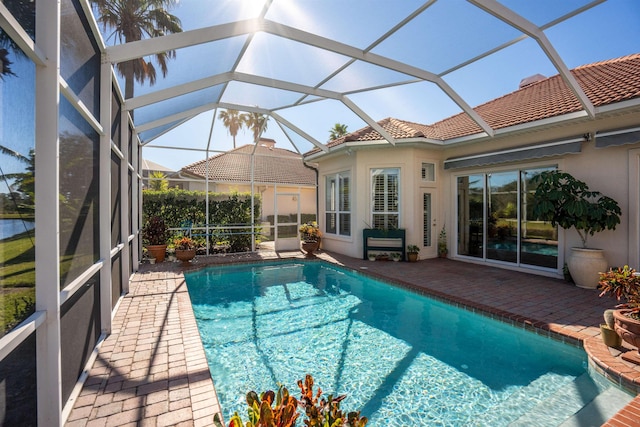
24,11
133,20
565,201
337,131
255,122
624,285
413,249
22,191
184,243
319,412
233,121
158,181
310,232
155,231
442,243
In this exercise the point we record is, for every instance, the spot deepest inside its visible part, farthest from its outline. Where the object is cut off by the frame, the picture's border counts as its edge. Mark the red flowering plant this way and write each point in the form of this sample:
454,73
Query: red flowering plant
623,284
310,232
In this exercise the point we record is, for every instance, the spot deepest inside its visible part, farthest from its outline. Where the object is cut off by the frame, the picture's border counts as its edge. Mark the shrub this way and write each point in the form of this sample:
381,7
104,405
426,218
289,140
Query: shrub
319,411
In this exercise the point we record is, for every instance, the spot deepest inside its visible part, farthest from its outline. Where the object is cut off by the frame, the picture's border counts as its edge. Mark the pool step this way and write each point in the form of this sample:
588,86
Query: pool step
600,409
578,404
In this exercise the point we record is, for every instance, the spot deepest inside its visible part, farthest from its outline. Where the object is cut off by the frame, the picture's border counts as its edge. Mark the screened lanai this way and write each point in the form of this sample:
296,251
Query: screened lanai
74,129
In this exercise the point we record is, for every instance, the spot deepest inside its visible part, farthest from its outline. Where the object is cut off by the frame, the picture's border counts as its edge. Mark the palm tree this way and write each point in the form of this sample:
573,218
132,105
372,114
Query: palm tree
233,121
337,131
24,11
22,198
158,181
133,20
256,122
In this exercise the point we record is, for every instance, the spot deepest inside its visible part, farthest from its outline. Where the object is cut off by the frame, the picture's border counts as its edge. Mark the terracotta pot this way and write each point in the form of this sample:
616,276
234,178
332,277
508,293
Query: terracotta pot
309,248
157,252
412,256
185,255
627,328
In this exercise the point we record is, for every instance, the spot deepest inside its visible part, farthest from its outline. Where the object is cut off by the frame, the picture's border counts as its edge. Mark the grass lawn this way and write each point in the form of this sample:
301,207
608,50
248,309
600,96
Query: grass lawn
17,280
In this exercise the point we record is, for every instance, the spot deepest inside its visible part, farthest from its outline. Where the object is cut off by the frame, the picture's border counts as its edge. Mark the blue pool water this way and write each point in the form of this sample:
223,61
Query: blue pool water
402,359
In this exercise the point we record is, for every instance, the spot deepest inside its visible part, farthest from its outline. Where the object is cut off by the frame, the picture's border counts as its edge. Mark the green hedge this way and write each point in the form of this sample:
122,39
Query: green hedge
177,206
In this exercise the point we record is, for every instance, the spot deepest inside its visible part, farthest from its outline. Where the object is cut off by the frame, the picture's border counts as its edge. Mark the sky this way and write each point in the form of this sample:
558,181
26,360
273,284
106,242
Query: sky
431,41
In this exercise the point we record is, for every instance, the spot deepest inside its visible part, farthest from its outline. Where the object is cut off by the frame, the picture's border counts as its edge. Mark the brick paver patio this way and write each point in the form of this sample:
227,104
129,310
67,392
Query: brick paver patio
152,370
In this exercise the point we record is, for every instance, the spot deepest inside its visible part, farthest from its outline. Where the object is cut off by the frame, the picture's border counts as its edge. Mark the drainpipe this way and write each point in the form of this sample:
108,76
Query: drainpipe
317,187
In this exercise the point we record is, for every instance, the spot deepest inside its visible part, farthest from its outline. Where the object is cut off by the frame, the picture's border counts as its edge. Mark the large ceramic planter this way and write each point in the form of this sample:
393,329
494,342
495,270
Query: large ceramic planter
412,256
627,328
185,255
584,266
157,252
309,248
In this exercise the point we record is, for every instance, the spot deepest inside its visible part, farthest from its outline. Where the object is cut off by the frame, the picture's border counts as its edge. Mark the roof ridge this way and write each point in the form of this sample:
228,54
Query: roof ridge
609,61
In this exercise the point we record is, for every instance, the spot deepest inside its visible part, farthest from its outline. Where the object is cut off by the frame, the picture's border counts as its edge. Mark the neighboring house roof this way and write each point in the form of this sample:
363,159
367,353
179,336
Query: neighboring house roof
603,82
272,165
153,166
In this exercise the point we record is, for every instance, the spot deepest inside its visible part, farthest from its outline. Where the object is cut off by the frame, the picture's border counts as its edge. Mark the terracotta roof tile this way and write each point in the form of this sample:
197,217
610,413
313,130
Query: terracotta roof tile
272,165
603,82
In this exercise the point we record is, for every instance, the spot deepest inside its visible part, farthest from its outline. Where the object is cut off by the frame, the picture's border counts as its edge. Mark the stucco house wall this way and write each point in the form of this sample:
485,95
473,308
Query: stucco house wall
612,170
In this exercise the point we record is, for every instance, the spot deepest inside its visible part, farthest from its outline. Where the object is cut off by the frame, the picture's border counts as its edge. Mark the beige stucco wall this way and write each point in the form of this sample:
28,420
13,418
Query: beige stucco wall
613,171
360,163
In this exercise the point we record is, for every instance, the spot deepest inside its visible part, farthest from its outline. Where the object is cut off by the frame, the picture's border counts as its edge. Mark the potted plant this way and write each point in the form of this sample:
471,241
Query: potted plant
412,253
185,248
624,284
382,257
310,237
396,256
442,243
565,201
154,234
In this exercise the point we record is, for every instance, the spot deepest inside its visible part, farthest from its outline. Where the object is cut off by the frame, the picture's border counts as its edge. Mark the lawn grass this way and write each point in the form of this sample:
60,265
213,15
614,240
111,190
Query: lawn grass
17,262
17,280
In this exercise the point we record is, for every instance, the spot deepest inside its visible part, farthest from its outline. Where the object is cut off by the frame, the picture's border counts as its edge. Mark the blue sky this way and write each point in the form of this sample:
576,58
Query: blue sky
431,42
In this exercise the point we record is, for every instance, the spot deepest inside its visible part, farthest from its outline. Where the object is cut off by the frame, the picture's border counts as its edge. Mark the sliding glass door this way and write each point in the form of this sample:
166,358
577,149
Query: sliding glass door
495,220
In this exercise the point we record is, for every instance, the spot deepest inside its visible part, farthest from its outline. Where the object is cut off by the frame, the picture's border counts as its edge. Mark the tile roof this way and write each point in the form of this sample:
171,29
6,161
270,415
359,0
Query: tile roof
603,82
153,166
272,165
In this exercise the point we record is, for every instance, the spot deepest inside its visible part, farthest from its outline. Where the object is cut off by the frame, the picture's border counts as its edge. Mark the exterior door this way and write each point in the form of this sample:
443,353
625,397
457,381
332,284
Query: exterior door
287,221
429,242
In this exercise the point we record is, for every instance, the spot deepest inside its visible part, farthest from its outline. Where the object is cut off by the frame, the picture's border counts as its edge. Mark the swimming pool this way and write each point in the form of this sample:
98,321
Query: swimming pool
402,358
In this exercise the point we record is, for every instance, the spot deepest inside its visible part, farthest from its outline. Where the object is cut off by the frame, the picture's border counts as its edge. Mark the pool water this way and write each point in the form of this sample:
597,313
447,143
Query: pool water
402,359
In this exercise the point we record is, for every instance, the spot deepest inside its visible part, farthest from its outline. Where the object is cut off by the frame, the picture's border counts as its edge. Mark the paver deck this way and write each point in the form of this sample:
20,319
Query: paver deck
152,369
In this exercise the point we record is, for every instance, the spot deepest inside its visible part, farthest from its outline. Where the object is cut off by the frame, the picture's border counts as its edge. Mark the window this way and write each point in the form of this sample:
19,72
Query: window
338,204
428,172
385,193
